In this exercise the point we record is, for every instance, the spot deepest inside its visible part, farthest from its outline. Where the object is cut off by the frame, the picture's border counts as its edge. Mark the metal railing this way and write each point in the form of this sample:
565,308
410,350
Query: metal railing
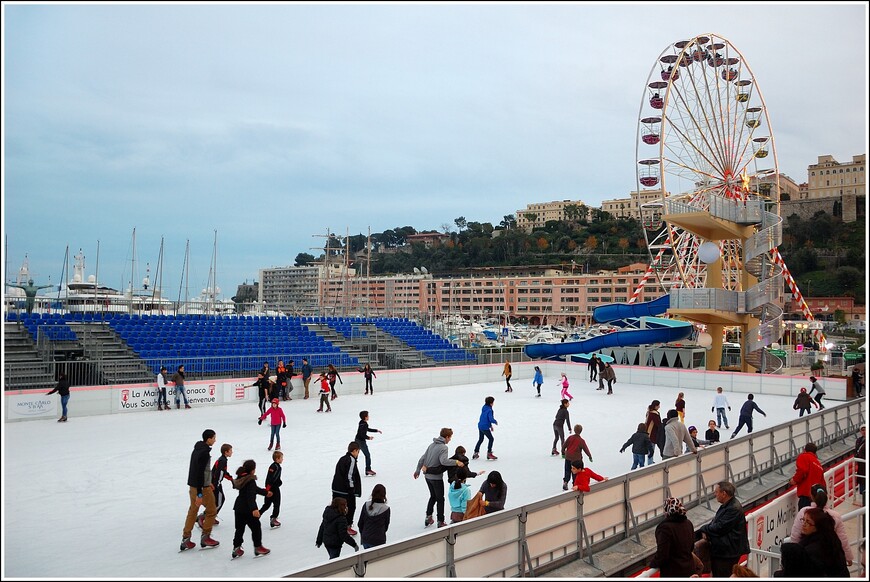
541,535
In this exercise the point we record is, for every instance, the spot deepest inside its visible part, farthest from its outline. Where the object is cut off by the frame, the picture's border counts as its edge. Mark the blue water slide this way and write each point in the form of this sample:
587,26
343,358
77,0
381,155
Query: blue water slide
657,330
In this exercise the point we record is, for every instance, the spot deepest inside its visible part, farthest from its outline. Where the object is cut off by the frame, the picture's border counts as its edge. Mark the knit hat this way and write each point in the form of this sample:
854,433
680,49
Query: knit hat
692,429
674,506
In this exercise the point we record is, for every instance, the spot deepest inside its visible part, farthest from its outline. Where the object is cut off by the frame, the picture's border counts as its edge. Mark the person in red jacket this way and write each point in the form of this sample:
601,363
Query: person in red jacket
582,475
277,420
808,472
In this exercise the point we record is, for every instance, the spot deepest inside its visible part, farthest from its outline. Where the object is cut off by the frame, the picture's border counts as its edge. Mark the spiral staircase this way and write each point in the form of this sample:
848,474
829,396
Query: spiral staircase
756,307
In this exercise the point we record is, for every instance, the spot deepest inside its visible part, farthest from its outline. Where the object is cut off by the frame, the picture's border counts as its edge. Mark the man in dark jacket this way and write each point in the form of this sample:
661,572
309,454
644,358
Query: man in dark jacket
306,376
347,483
201,492
726,532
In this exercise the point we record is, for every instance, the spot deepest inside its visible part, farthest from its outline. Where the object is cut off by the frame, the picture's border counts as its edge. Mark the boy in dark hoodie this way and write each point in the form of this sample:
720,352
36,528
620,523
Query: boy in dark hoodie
273,485
640,446
246,510
361,438
333,529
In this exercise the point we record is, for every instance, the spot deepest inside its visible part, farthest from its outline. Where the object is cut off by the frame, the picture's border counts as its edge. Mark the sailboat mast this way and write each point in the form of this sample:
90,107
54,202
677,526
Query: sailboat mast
96,273
178,303
158,279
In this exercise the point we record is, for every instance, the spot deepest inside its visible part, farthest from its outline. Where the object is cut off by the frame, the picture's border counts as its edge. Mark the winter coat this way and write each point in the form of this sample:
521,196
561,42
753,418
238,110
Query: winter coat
608,373
199,471
727,531
507,369
675,540
818,389
273,477
373,523
277,414
583,477
712,436
333,530
219,472
803,401
487,418
808,471
653,425
451,471
574,447
458,498
494,496
562,415
246,484
362,431
839,529
434,458
282,375
178,378
676,433
62,387
748,407
639,442
368,372
347,480
832,566
539,377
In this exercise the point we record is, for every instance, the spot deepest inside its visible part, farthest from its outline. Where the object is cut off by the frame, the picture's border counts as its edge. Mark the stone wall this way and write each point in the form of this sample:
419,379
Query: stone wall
853,207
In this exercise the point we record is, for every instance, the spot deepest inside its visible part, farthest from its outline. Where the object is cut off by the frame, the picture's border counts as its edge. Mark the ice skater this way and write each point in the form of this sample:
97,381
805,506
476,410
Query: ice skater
680,407
62,388
277,419
485,426
538,381
564,384
819,390
746,414
245,508
368,374
219,472
273,486
361,438
264,387
593,368
562,417
507,373
582,476
572,451
640,446
333,375
333,532
803,402
720,402
324,393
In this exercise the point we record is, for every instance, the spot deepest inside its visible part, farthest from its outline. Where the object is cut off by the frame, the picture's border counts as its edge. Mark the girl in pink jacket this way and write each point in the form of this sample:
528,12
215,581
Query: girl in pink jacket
564,383
278,419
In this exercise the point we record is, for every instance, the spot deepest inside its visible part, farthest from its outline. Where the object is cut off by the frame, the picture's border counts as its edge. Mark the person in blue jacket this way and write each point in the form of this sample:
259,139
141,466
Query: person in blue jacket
539,379
484,428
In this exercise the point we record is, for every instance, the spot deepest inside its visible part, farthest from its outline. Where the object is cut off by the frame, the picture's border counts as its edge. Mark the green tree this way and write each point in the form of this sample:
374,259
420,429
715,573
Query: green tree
508,222
303,259
531,217
460,223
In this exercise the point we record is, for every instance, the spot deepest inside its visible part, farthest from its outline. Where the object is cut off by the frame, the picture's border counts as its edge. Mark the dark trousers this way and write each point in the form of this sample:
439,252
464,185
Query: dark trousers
219,498
332,389
333,552
484,433
819,400
274,502
246,518
161,397
593,374
722,566
369,387
324,399
351,505
364,447
744,420
610,386
807,410
436,495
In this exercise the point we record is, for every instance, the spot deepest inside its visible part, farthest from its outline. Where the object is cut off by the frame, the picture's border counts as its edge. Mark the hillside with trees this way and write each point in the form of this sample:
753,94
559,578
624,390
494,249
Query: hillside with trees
825,255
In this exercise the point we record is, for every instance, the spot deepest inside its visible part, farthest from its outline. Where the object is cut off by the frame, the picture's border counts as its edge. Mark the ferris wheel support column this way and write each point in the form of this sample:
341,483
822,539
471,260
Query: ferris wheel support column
716,330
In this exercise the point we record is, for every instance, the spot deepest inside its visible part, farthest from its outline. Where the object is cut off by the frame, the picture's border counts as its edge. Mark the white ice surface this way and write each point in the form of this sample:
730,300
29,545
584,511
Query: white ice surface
106,496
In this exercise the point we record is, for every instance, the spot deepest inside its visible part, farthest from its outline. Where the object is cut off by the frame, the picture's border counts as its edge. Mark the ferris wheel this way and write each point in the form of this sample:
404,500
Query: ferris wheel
703,134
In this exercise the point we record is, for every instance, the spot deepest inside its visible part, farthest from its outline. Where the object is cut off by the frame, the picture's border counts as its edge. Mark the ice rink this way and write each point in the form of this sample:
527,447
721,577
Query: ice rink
106,496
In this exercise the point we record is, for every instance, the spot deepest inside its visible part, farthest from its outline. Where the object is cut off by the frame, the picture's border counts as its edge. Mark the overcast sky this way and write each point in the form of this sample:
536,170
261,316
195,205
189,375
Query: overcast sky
272,123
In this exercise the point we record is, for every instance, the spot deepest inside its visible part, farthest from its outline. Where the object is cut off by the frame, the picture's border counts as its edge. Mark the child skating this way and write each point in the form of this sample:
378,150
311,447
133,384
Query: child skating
245,508
324,393
361,438
582,475
564,384
276,421
273,486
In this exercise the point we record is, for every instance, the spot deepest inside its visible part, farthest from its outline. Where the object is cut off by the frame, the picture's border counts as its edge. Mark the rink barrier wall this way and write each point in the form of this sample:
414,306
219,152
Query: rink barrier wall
93,400
540,536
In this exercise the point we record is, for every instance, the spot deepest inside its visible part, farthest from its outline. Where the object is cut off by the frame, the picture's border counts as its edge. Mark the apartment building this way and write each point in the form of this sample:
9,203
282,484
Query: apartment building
829,178
538,214
630,207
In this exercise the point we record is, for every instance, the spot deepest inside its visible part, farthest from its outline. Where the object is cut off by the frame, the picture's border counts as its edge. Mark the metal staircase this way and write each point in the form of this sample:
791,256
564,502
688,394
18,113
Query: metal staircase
114,361
23,367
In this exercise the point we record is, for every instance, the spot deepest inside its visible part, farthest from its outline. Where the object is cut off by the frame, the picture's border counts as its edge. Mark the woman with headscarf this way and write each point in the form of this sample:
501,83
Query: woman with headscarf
675,539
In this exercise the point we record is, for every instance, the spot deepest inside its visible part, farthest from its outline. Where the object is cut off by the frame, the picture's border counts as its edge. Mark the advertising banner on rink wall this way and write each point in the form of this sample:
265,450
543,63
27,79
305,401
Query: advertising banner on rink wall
138,398
29,406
